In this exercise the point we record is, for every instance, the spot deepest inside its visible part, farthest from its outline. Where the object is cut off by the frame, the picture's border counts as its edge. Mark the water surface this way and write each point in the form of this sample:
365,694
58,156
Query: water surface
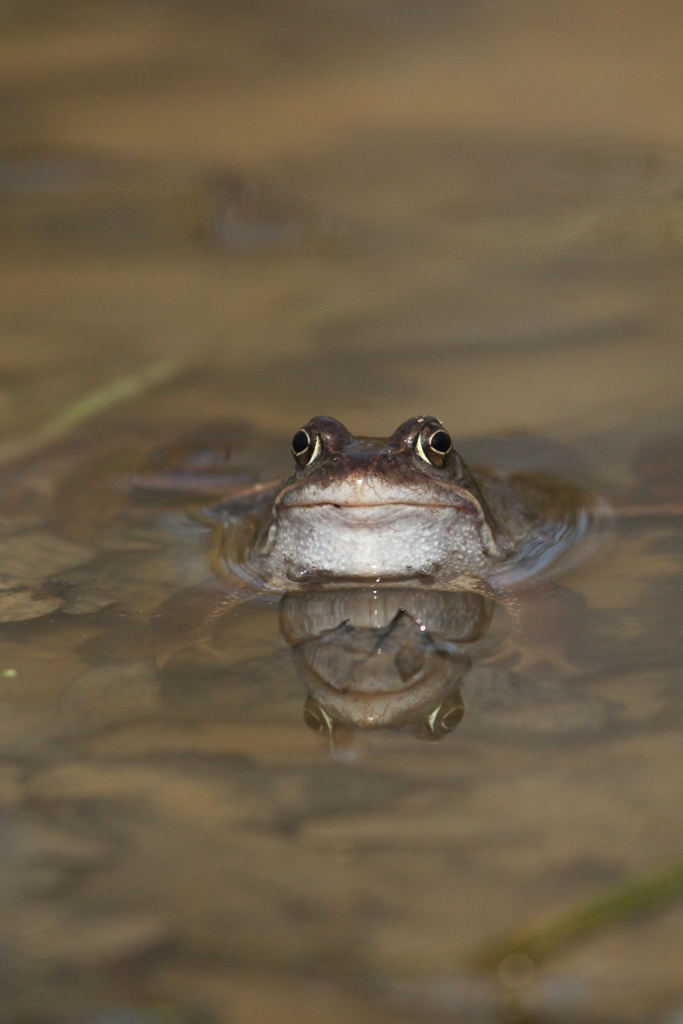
368,211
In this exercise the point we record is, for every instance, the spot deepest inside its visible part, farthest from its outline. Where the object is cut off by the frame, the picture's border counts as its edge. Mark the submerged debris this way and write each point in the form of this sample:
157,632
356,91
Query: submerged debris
27,599
38,554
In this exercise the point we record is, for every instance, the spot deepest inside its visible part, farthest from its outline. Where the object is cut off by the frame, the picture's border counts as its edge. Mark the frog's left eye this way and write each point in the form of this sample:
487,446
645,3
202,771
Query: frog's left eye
305,448
433,448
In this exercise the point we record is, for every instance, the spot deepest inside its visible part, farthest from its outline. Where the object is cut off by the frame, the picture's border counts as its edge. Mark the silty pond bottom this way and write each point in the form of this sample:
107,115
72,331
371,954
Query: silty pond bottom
217,223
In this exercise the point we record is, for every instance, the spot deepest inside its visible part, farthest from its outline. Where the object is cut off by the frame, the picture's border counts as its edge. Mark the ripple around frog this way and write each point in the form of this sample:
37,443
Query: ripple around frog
563,543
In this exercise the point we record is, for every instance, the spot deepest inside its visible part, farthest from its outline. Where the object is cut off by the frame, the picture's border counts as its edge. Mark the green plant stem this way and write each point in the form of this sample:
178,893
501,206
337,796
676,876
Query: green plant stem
540,941
85,408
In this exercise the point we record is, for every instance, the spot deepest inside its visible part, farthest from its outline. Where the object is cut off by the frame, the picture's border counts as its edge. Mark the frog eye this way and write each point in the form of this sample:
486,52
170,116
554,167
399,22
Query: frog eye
434,447
305,448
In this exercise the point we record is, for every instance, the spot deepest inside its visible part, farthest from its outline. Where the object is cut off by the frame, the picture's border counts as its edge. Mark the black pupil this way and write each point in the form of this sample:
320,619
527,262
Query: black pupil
440,441
300,442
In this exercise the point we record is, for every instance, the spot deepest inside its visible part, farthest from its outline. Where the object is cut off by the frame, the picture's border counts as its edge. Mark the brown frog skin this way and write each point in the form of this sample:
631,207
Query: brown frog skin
360,510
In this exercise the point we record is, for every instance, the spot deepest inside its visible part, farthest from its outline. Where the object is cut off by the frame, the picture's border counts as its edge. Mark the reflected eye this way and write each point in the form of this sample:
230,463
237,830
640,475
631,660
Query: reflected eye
442,721
451,717
315,718
305,448
448,716
433,448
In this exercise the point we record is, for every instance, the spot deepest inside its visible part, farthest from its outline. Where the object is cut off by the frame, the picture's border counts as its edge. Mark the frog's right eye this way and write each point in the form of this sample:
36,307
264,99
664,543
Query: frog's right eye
305,448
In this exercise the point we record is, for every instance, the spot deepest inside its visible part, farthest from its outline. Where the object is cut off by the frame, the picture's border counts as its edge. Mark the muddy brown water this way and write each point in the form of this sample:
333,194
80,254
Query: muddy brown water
368,211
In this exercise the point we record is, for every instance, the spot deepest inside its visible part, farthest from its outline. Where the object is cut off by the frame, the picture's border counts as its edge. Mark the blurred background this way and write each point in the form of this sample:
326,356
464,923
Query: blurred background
350,208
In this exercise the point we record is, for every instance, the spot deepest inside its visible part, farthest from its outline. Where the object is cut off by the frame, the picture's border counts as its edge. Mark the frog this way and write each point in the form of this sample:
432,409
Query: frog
401,510
408,508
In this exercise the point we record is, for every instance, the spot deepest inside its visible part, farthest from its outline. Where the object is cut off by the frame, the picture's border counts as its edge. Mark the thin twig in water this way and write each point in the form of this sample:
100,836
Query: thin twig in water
85,407
541,941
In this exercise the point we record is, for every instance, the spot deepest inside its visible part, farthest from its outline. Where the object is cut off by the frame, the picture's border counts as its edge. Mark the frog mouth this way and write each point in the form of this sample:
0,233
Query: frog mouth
379,507
378,493
376,496
379,515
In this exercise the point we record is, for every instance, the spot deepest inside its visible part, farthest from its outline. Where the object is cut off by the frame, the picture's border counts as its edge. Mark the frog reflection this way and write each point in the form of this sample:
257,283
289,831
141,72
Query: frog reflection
383,658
